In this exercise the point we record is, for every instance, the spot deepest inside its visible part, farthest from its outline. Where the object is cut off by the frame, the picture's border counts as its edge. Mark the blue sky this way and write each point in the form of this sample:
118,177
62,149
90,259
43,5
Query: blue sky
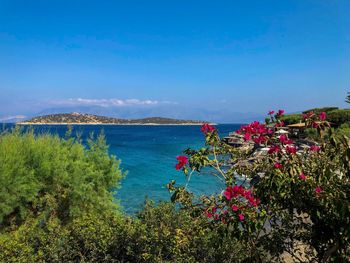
196,59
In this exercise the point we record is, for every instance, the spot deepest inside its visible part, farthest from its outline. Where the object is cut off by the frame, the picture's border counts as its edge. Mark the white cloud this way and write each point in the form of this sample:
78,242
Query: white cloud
15,117
108,102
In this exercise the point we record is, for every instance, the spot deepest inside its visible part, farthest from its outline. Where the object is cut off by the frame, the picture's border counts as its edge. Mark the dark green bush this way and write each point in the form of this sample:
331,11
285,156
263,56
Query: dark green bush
291,118
319,110
339,117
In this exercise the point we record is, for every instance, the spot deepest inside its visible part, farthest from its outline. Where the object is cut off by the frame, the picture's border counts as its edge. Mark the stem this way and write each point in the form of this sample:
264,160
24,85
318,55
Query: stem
189,178
217,164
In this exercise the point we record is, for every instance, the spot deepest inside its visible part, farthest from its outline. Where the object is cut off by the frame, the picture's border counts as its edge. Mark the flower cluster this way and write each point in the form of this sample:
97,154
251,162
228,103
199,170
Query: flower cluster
239,191
314,120
284,139
237,203
315,148
255,131
182,162
207,128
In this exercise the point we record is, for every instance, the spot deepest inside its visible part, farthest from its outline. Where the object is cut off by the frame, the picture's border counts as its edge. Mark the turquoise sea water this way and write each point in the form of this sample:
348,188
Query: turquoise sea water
148,154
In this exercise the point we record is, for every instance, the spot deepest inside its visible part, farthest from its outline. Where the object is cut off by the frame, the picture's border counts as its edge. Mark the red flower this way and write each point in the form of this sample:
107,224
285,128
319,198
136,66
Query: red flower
302,176
182,162
315,148
308,115
246,136
241,217
280,113
318,190
206,128
289,141
279,124
315,124
278,166
260,139
283,139
228,194
274,149
322,116
291,150
234,208
271,112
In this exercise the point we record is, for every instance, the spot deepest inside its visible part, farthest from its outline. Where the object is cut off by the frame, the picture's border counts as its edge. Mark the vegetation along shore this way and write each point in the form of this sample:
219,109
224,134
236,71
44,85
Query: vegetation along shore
76,118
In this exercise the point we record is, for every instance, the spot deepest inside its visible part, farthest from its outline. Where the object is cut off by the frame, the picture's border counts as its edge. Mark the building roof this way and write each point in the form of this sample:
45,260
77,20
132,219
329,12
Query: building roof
297,125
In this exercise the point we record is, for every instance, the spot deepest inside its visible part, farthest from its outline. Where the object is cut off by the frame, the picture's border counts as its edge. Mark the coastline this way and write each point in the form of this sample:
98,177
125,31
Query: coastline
116,124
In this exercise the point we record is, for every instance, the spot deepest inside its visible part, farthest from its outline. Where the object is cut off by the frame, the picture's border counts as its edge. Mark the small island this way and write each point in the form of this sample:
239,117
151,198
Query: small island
76,118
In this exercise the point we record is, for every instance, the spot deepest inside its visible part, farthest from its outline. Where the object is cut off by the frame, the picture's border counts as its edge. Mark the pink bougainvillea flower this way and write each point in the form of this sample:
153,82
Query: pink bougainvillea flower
279,124
260,139
308,115
206,128
315,124
289,141
318,190
315,148
274,149
322,116
283,139
291,150
302,176
271,112
241,217
228,194
234,208
208,214
280,113
278,166
182,162
246,136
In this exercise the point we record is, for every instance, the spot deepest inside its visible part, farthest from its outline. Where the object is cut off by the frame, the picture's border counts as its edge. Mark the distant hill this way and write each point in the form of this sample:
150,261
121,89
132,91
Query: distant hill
80,118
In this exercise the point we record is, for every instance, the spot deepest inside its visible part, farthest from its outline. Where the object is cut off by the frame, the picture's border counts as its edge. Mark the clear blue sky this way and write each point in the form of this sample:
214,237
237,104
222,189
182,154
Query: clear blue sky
233,56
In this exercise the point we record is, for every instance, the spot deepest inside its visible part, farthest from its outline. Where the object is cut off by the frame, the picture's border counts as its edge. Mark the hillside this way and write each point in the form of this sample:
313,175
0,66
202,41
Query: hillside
80,118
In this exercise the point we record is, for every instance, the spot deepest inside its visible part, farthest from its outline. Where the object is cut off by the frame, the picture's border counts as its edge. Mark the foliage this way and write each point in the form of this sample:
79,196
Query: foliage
347,99
291,118
335,116
57,201
45,175
338,117
319,110
159,234
57,206
297,201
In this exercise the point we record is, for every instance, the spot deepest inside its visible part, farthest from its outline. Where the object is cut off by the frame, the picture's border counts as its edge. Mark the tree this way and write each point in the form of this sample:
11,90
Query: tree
348,98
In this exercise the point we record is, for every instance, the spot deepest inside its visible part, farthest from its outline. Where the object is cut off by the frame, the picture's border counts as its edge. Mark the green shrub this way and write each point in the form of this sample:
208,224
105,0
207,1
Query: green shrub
339,117
57,206
319,110
291,118
45,175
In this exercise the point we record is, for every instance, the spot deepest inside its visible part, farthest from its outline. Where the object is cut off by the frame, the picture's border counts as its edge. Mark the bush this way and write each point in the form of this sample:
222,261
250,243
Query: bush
57,206
291,118
282,202
339,117
45,175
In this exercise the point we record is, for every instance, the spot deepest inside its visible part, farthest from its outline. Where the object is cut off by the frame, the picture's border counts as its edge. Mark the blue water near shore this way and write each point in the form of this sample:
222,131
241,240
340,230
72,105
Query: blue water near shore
148,155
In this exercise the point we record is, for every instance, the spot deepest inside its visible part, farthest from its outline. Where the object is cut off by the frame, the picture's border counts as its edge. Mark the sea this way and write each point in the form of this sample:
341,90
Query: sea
148,157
